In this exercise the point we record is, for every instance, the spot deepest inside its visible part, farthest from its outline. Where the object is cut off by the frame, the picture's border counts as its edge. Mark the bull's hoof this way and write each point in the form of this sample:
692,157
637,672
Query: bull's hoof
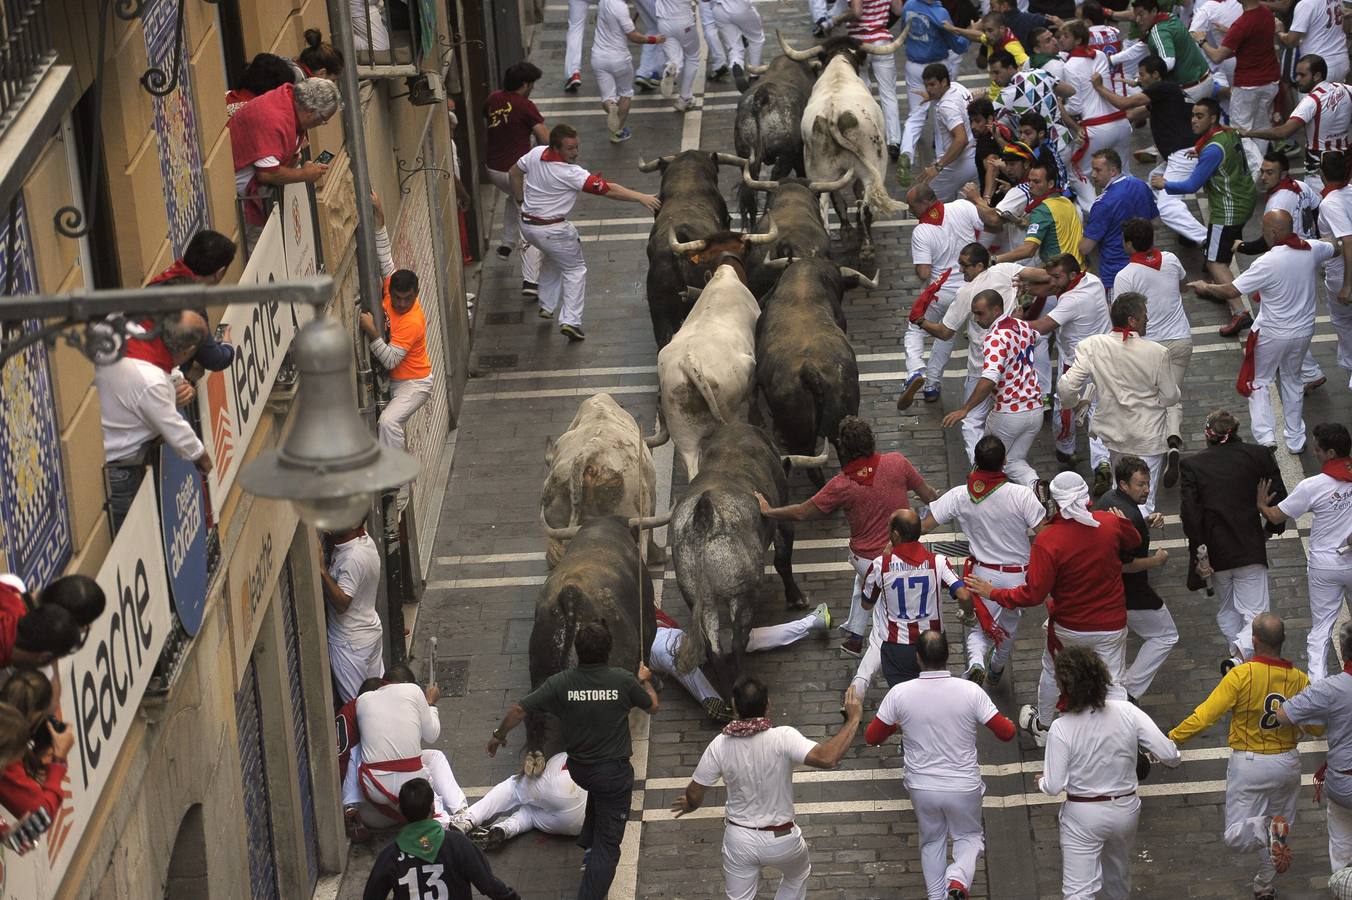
799,602
533,766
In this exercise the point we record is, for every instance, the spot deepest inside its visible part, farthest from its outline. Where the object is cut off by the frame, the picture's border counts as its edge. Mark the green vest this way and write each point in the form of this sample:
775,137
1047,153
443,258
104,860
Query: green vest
1230,190
1171,38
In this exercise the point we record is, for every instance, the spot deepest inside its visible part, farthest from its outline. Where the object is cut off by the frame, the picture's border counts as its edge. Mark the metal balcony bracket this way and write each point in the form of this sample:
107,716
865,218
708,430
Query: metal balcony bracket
406,173
155,80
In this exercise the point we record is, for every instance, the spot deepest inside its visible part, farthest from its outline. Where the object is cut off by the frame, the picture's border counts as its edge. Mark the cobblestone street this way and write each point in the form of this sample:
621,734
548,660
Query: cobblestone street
489,564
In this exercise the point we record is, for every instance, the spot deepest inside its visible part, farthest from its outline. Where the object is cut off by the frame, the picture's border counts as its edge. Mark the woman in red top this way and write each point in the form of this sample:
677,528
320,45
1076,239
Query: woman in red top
33,782
512,121
265,72
1253,87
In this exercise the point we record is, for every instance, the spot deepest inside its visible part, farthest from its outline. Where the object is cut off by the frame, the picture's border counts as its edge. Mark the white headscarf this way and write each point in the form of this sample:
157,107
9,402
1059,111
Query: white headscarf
1071,496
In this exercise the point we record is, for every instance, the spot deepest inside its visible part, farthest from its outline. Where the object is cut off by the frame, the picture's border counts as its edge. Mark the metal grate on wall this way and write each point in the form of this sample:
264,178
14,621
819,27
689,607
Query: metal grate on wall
257,804
299,728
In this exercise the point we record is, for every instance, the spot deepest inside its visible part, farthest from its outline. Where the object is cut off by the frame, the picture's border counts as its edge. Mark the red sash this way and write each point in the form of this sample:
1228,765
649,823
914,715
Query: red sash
1249,367
385,801
927,298
666,621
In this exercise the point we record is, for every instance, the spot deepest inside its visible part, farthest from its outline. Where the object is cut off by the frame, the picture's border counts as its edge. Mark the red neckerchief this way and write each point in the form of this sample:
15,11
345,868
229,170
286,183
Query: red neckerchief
1330,187
1289,184
1008,39
1202,141
178,269
1340,468
747,727
1293,242
1082,52
151,351
1273,661
913,553
1159,17
1125,332
981,484
1035,202
1152,258
934,215
862,471
550,156
1074,282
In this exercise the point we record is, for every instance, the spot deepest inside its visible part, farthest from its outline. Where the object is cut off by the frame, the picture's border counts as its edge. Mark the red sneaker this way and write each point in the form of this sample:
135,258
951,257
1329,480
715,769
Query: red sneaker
1278,831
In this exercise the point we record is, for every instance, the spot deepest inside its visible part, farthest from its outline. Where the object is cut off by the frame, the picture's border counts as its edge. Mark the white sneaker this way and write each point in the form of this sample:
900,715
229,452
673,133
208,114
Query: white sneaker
612,118
668,84
1029,722
685,104
461,821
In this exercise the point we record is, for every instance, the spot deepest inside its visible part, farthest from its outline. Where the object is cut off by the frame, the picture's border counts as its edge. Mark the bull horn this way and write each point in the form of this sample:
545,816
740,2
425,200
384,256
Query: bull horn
728,159
692,294
884,49
650,522
652,165
757,185
816,66
795,55
827,187
779,262
558,534
768,238
808,462
653,441
859,277
758,70
694,246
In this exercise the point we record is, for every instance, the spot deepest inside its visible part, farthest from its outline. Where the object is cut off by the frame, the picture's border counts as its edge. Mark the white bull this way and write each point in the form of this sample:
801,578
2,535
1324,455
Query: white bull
707,374
843,130
600,466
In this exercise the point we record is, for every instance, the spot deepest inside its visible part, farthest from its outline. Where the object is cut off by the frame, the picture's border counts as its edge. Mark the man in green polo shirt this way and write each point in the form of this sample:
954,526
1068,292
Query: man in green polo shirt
1165,35
593,701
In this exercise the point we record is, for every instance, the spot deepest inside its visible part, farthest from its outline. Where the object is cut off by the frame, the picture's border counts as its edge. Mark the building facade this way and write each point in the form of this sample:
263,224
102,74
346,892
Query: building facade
204,764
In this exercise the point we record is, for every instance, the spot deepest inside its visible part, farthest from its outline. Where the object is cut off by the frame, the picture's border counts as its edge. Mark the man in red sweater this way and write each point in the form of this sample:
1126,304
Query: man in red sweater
1077,559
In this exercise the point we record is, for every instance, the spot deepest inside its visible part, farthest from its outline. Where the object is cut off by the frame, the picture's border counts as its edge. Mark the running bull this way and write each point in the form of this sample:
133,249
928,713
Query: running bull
599,579
794,215
768,129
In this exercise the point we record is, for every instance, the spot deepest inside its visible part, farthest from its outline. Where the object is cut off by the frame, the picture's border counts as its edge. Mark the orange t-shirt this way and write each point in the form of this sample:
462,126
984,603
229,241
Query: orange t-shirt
408,332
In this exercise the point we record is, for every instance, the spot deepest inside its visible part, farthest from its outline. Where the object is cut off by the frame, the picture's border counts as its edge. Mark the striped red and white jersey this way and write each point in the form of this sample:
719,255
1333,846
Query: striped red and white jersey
905,584
871,27
1327,114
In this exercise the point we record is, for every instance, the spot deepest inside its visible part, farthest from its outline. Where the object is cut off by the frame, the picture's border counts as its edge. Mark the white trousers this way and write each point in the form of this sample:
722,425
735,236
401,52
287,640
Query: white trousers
1340,835
353,665
511,228
1096,845
1250,109
1108,136
682,52
884,69
1259,786
746,851
1042,363
978,643
1158,634
1174,212
652,57
1340,316
563,271
572,44
1330,591
1154,461
551,802
614,76
1279,359
1243,594
974,423
949,183
1180,355
406,398
447,797
1111,647
820,9
737,19
1017,430
859,619
945,816
914,339
1338,67
917,107
667,643
1064,428
718,54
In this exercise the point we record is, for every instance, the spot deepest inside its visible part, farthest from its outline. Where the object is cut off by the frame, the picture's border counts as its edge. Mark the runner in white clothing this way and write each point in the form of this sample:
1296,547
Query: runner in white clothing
1210,20
943,230
677,21
351,578
939,716
756,760
1335,223
546,182
954,144
1328,496
997,516
572,44
742,33
1091,755
613,65
1325,113
550,802
1105,126
1317,30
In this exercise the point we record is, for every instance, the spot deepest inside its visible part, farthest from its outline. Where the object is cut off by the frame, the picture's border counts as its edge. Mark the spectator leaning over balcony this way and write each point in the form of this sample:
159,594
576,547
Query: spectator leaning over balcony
205,260
137,407
317,60
266,138
402,349
32,783
265,72
34,637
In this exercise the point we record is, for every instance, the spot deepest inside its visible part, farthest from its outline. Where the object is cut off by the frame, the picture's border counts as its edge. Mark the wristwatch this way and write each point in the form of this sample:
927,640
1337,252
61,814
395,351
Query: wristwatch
499,736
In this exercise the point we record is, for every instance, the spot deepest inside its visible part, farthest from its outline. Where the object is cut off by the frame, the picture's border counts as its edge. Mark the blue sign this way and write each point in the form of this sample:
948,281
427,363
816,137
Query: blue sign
183,522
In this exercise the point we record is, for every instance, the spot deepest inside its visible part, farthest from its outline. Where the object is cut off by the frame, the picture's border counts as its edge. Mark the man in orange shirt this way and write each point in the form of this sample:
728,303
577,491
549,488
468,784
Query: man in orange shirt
402,350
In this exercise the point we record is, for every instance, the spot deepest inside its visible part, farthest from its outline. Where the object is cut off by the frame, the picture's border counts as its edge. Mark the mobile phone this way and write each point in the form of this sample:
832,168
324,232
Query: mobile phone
325,158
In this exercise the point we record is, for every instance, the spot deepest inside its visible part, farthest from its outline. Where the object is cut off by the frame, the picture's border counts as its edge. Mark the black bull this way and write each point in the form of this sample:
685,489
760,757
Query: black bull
768,129
599,579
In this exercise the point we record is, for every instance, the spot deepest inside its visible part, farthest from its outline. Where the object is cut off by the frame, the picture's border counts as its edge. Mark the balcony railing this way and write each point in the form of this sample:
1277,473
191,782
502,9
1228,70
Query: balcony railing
26,53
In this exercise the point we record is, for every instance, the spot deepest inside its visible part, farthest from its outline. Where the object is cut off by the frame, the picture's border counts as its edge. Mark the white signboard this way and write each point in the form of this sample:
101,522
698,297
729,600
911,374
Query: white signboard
101,689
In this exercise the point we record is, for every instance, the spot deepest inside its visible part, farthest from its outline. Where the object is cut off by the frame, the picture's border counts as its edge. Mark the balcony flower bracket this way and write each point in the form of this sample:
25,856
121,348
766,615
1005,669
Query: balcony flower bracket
407,173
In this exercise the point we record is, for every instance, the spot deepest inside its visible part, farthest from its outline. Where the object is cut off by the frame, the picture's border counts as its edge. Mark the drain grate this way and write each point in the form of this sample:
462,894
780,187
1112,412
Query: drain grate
503,318
498,361
452,676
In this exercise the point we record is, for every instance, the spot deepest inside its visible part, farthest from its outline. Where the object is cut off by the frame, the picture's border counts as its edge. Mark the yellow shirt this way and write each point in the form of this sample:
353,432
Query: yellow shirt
1252,693
1010,43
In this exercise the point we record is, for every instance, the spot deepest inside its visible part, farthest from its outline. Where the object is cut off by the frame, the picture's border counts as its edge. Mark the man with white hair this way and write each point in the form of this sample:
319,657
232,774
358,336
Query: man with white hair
1078,559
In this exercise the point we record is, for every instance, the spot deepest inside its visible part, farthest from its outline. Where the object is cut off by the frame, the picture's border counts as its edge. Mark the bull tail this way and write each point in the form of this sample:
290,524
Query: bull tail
846,133
876,196
691,367
824,411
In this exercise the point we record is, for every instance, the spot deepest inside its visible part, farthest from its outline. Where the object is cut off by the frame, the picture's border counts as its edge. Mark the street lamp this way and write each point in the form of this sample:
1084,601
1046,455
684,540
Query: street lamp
329,464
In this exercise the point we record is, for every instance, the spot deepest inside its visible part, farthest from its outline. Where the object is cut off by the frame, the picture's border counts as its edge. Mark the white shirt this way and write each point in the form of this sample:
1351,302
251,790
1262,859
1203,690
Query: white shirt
1000,278
758,771
1331,502
1079,73
613,25
1092,753
938,246
678,11
1210,13
997,527
356,568
908,597
1301,204
394,722
1080,312
1285,277
136,405
939,715
1321,21
1335,221
951,112
1134,384
1013,204
1166,319
551,186
1327,113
